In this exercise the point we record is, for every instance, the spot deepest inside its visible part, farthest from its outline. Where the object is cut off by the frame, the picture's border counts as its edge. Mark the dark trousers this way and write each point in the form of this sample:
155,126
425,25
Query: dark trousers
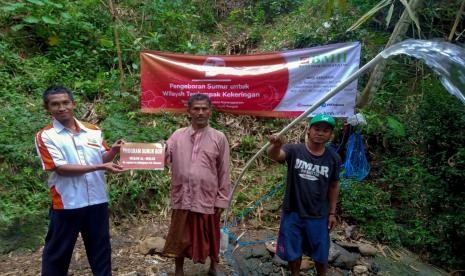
63,230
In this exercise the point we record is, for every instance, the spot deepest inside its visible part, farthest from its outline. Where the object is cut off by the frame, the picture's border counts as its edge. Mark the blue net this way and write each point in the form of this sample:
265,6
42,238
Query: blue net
356,165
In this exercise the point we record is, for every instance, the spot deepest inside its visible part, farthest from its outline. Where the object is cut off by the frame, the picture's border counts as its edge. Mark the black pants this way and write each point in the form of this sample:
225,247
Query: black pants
63,230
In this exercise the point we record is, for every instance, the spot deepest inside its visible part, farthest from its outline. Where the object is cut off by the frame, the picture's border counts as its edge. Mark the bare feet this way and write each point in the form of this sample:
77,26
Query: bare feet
218,272
215,270
179,266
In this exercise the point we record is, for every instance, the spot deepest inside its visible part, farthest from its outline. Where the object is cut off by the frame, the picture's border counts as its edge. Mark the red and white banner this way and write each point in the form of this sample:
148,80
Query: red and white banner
280,84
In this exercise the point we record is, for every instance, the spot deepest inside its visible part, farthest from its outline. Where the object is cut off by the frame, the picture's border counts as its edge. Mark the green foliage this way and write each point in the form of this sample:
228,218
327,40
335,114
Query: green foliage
247,144
415,132
369,206
305,27
420,163
272,9
22,216
259,186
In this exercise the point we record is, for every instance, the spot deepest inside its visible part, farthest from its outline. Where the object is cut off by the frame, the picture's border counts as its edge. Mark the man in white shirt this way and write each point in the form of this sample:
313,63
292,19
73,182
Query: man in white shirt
77,156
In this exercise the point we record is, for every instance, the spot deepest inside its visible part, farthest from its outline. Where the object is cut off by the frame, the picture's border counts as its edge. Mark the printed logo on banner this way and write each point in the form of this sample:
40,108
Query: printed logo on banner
324,59
213,62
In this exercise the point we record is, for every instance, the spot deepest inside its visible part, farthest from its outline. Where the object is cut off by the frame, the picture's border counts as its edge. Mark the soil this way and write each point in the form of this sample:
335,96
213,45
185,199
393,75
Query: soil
126,260
243,260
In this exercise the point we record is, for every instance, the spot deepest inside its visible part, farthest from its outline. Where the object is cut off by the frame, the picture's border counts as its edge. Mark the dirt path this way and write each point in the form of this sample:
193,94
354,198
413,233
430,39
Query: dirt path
126,260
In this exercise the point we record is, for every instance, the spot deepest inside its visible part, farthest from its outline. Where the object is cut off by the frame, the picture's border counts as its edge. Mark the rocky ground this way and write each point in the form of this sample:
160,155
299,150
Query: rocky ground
135,247
128,256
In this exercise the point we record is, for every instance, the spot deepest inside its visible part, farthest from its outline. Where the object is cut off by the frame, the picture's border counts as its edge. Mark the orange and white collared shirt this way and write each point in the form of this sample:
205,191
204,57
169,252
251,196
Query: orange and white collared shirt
57,146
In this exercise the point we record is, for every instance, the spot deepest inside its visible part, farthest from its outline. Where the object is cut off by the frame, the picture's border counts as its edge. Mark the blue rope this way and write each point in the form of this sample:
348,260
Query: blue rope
246,243
245,213
251,208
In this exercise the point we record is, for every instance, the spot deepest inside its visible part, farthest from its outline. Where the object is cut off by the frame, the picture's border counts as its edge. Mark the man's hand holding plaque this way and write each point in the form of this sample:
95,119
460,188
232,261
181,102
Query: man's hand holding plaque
142,156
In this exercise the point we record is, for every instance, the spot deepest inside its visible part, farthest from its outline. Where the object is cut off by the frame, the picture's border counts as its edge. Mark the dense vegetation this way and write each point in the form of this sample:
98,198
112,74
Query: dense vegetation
415,137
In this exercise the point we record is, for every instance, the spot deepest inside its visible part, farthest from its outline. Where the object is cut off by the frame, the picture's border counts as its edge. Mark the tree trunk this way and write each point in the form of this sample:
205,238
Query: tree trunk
457,20
378,72
118,47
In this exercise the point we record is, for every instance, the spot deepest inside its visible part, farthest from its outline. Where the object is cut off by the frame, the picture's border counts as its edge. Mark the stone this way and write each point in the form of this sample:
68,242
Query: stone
266,269
367,250
306,264
336,237
253,266
374,268
151,245
360,270
132,273
348,245
346,272
348,231
247,252
346,260
278,261
259,251
334,252
271,246
151,271
335,271
240,262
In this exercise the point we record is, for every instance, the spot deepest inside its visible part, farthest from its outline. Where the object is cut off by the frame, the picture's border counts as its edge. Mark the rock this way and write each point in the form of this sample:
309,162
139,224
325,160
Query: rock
260,252
360,270
365,261
349,245
335,236
348,231
151,245
335,271
346,260
278,261
253,266
367,250
266,269
240,262
334,252
342,258
247,252
151,271
133,273
374,268
271,246
306,264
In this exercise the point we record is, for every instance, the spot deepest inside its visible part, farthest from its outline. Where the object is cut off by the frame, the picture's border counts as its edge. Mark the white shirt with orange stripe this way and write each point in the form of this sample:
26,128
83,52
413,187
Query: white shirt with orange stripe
59,146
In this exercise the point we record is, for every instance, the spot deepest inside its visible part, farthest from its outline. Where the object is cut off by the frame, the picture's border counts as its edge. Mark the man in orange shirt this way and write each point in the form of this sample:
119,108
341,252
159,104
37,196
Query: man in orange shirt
77,156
